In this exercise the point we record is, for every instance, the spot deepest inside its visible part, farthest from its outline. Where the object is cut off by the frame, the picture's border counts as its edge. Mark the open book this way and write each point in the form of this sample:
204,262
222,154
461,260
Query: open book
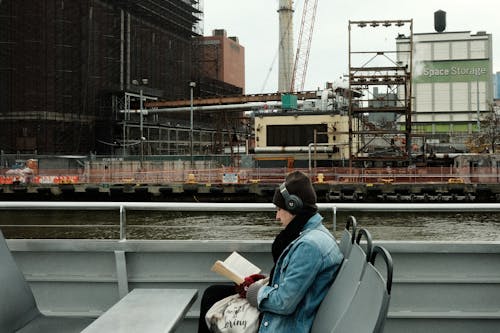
235,268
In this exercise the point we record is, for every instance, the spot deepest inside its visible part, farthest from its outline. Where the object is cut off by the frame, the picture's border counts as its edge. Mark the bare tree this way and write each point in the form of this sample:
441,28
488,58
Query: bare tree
488,137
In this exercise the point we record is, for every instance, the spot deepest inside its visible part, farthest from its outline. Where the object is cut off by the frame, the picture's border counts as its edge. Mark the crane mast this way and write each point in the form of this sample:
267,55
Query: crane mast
303,45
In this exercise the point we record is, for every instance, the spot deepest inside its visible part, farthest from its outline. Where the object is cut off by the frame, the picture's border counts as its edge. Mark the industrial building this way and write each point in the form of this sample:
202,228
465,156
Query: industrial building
452,82
301,139
496,85
69,68
223,59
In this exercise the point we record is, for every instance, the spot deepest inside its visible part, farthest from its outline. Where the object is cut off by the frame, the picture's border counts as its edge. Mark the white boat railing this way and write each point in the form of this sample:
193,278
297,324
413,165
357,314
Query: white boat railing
334,208
446,286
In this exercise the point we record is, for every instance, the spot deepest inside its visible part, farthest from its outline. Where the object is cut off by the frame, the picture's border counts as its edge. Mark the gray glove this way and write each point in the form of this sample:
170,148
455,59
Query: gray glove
252,292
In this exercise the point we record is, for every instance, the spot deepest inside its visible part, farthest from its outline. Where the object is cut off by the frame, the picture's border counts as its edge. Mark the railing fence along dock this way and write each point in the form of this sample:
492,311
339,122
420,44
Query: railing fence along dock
157,173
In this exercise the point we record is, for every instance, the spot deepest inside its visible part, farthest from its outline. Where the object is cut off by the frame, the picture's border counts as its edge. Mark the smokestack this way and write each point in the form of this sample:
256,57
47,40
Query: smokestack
439,21
285,45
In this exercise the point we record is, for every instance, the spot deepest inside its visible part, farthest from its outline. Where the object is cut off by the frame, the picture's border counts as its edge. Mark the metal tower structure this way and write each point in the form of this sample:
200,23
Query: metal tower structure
380,121
303,45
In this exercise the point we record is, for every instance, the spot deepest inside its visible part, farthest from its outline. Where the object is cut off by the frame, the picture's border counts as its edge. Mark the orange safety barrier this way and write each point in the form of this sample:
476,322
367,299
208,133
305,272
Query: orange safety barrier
66,180
6,180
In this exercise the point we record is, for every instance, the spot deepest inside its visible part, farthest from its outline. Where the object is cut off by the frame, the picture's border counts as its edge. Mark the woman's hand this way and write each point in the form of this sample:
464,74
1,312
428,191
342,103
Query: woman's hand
243,287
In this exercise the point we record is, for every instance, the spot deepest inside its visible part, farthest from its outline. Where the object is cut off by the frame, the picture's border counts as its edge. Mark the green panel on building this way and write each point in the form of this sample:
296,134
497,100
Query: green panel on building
461,128
442,128
453,71
289,102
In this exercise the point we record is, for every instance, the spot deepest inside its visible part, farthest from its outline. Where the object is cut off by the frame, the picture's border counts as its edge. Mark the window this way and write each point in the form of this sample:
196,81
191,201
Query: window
295,135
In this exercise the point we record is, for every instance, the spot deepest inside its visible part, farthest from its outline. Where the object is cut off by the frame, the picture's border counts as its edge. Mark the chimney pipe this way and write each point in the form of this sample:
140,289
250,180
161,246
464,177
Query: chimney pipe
440,20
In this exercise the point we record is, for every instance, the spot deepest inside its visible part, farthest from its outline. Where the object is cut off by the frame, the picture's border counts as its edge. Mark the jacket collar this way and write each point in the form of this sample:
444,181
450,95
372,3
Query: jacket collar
313,223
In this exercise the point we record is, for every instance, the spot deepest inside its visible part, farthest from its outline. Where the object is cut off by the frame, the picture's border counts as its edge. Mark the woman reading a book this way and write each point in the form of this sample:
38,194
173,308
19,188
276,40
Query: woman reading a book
306,258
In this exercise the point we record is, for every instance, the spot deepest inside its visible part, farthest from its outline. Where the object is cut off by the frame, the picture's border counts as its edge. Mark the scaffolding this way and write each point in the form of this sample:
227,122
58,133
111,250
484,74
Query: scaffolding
380,121
66,65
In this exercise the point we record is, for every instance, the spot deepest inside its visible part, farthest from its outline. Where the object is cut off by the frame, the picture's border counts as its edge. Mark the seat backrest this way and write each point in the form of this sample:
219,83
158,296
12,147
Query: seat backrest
343,289
17,304
348,237
368,308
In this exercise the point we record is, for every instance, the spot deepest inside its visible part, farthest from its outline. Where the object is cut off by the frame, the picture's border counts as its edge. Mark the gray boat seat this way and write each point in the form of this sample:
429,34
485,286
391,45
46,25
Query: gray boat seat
344,287
18,309
348,237
368,309
60,324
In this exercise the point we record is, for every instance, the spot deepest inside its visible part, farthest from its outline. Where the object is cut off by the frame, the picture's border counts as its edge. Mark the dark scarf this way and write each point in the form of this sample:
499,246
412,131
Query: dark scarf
288,235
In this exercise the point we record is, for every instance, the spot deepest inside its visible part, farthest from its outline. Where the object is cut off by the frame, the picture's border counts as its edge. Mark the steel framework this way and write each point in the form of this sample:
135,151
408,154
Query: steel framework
61,63
384,78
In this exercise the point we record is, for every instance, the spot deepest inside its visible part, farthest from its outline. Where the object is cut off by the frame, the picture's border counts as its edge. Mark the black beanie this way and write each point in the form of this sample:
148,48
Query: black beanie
299,184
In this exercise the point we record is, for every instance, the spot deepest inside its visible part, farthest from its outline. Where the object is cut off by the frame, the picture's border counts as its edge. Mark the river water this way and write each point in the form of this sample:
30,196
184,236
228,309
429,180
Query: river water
247,225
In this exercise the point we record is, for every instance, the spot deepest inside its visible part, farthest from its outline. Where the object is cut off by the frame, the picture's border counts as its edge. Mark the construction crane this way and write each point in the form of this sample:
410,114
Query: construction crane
303,45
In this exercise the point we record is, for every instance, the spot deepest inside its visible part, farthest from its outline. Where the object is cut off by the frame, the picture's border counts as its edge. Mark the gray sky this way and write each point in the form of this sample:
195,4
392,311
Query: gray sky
255,23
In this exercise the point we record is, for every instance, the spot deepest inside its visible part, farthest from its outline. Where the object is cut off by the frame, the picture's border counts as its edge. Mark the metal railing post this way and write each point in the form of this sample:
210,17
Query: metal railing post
123,223
334,209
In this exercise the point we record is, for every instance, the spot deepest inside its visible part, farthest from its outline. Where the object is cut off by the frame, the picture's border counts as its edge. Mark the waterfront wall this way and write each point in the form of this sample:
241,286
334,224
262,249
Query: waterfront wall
252,192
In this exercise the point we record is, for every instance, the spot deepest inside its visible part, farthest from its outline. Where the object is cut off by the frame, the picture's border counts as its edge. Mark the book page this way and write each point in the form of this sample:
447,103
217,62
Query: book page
241,265
235,268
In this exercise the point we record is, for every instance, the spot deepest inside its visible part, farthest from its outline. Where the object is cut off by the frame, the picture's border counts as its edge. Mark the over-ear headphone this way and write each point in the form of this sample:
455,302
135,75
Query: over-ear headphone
292,202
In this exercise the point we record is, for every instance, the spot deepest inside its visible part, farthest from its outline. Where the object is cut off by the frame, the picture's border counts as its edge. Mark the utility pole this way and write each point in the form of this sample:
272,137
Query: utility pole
141,126
192,85
477,101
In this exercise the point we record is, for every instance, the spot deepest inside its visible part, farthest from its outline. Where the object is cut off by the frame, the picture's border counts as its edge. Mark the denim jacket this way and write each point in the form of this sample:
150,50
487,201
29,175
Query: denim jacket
302,276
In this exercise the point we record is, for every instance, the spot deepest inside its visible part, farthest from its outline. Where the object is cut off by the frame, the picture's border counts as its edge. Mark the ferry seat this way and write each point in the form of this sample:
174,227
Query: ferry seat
368,309
18,309
344,287
348,237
